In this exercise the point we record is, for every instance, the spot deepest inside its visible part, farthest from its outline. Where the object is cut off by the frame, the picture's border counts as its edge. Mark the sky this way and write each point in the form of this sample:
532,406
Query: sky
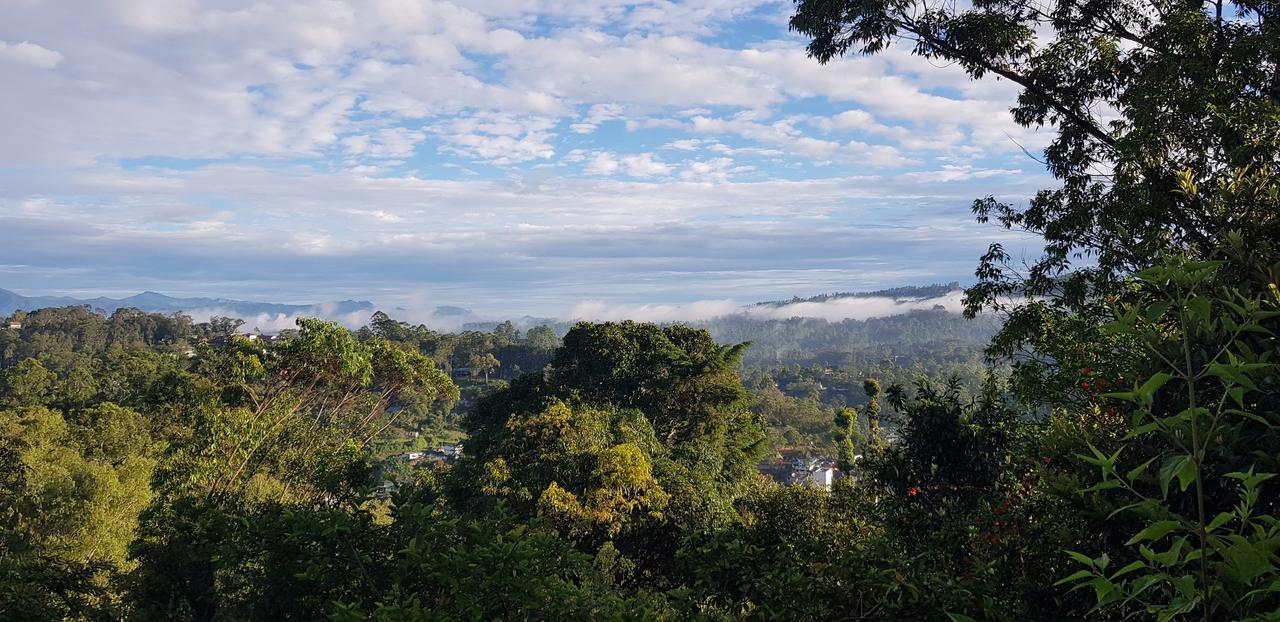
508,156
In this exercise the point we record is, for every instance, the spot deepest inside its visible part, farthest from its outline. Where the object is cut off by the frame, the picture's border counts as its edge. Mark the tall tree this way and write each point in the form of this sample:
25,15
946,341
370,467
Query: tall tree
682,383
1167,119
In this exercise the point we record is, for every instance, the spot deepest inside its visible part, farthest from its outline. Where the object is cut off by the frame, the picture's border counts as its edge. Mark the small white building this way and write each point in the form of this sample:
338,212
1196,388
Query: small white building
814,473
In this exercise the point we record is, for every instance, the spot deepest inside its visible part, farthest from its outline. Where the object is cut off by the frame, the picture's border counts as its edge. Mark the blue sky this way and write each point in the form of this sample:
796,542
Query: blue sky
513,156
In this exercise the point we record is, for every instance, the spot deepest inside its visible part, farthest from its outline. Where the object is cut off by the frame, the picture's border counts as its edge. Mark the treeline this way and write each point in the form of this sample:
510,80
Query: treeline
234,480
920,338
502,350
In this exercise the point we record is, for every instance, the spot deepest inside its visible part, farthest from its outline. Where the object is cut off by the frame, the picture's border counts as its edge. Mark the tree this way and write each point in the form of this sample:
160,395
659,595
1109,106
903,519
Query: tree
483,364
82,486
871,387
846,421
220,326
1150,99
27,384
542,338
1197,465
684,387
588,471
505,334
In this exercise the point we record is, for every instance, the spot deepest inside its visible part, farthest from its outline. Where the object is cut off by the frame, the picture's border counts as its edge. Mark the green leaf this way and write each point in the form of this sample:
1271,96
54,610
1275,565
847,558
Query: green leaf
1137,471
959,617
1127,396
1134,565
1172,467
1080,557
1075,576
1187,474
1157,310
1103,485
1220,520
1201,308
1154,531
1153,384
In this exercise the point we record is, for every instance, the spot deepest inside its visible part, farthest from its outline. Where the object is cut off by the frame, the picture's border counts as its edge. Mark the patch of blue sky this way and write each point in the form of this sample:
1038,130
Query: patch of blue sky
764,24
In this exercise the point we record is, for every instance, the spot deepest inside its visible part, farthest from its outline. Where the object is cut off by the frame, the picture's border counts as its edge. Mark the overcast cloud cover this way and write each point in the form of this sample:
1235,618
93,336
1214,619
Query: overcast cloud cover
514,156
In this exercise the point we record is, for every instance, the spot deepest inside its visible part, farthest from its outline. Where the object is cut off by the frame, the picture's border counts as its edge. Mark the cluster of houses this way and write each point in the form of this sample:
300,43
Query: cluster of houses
444,454
790,468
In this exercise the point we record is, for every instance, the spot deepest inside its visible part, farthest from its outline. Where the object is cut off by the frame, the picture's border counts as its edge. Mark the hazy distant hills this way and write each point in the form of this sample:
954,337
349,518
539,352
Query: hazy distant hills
159,303
831,307
909,292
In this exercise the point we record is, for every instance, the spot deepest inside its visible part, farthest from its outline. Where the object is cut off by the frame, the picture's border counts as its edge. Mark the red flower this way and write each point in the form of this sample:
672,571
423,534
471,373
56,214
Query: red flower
1084,385
1079,351
1086,371
913,491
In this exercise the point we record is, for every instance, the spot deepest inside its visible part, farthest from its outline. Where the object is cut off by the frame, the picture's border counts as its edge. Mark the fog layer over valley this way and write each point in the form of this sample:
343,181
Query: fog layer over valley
271,318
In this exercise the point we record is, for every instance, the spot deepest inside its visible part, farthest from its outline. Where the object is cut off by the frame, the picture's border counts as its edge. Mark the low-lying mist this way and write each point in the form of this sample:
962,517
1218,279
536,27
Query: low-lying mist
832,310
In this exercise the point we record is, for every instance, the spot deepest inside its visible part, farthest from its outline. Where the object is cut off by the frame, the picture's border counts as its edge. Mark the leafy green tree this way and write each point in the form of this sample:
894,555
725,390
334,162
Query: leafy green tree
1196,465
505,334
683,383
871,387
84,485
27,384
483,364
803,554
284,446
542,338
1148,98
846,421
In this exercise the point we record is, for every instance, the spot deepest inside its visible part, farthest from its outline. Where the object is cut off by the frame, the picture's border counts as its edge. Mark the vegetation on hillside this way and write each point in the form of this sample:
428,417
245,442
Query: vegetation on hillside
1123,468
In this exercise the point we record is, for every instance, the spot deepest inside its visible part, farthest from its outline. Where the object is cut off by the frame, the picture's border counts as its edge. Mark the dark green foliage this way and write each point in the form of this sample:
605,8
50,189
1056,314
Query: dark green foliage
922,339
1167,122
1195,469
669,416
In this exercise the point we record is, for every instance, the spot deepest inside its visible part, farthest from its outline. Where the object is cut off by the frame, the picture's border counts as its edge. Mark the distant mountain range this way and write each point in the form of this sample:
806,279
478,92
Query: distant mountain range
160,303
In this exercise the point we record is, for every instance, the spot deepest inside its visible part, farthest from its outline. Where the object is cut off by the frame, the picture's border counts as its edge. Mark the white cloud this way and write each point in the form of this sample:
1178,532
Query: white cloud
684,144
272,323
606,163
833,310
499,138
636,138
644,165
717,170
29,53
602,163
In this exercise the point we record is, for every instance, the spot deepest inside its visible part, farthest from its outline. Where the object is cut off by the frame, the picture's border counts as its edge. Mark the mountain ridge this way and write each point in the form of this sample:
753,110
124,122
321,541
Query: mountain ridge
155,302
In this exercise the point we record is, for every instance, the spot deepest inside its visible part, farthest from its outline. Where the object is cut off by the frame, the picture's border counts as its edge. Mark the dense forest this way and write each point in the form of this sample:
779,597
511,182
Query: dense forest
1108,451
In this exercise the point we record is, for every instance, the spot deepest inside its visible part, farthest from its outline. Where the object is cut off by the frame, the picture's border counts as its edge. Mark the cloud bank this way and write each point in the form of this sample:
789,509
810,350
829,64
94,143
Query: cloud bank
835,310
496,155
